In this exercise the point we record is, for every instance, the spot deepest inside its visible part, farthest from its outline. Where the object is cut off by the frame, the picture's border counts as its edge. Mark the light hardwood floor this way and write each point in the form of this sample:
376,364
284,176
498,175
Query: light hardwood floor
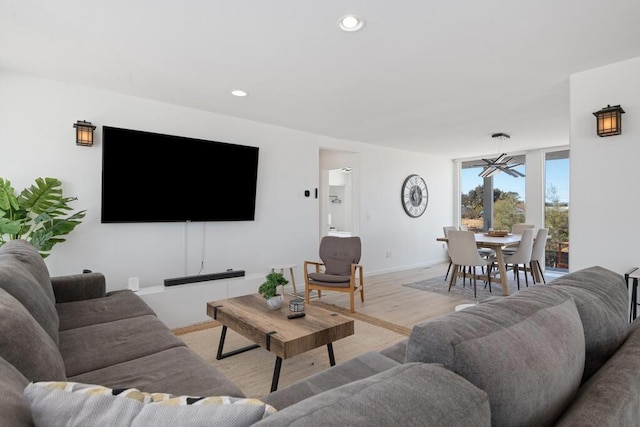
385,298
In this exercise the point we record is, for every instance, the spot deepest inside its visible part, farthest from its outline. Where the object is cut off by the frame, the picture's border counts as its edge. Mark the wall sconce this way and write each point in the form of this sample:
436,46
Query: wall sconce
609,120
84,133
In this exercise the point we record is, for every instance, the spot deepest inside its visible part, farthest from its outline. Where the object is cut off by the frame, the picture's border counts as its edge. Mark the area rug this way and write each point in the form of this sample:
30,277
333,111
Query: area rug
252,371
439,286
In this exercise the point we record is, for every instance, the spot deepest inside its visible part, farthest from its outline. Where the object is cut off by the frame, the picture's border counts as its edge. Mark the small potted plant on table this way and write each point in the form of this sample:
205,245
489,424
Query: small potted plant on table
269,290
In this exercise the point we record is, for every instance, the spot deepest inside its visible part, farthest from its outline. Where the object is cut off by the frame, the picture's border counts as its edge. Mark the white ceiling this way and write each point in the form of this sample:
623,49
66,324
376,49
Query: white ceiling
427,76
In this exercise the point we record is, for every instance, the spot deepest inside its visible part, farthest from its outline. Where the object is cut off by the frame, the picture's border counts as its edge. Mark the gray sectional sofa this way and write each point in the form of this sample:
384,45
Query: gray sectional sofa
69,329
561,354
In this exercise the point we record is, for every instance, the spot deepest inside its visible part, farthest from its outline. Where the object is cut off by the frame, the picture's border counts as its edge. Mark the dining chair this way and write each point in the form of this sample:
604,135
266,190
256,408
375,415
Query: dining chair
464,253
517,228
484,252
538,253
522,255
446,234
520,227
339,270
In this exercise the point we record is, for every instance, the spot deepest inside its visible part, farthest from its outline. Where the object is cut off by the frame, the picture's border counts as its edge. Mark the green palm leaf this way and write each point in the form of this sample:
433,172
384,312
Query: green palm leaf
40,197
40,214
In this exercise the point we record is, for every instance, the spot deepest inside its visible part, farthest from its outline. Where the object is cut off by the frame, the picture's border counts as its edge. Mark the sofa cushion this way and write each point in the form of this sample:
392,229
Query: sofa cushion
602,301
611,397
16,278
13,408
397,351
75,404
25,344
412,394
116,305
526,351
177,370
363,366
98,346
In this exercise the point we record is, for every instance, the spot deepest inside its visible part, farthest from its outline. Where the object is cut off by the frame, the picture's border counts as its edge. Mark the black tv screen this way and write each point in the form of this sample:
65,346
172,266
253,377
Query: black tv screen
151,177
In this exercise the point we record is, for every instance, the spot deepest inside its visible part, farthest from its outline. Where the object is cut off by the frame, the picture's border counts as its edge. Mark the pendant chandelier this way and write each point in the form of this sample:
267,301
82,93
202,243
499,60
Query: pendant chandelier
502,163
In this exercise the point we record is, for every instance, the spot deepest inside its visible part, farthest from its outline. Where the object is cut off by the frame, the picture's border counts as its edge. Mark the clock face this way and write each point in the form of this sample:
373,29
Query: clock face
415,196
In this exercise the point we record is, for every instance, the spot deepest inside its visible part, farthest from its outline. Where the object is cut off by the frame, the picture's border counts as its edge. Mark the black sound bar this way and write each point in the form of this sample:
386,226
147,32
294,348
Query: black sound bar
203,277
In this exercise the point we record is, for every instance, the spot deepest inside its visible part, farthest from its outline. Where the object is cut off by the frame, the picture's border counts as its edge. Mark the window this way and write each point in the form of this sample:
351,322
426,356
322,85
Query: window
556,212
507,206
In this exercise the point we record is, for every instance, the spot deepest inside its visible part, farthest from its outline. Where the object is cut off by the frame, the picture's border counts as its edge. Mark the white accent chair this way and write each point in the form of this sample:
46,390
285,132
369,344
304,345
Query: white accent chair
522,256
446,234
464,253
484,252
538,253
516,229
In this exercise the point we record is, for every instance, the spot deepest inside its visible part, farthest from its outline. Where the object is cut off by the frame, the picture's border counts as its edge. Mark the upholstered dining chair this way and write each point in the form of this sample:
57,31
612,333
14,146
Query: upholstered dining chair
520,227
538,253
464,253
339,270
484,252
521,256
446,234
517,228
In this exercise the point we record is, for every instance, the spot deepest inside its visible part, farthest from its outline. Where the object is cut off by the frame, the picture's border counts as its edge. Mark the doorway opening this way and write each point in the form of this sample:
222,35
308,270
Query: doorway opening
339,186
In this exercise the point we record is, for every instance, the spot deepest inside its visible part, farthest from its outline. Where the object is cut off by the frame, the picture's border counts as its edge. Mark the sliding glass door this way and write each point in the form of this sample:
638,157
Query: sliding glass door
556,212
499,201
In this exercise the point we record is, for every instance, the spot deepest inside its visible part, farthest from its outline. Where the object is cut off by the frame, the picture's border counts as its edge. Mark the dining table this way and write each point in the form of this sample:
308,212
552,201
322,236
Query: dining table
497,243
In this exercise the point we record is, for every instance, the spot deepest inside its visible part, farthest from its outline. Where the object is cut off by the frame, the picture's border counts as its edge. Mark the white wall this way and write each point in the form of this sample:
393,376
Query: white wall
37,140
605,199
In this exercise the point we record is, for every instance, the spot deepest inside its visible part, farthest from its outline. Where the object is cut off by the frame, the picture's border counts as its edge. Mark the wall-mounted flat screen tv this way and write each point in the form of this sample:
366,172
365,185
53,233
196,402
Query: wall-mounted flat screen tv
151,177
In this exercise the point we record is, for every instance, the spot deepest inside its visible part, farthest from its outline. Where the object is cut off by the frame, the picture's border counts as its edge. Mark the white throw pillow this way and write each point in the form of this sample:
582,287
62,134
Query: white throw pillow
74,404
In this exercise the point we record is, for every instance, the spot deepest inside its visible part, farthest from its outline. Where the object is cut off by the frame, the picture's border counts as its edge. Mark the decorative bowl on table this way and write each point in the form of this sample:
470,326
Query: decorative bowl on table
497,233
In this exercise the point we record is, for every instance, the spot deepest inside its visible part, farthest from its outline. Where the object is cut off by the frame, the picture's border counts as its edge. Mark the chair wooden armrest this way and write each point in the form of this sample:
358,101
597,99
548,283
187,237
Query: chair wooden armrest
356,273
356,268
315,264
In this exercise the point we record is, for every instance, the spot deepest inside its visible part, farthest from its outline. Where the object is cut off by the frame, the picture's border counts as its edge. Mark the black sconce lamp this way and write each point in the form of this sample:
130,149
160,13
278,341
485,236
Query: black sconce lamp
609,120
84,133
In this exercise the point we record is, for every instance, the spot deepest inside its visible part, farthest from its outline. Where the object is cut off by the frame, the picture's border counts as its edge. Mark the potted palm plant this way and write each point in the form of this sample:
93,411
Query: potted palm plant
39,214
269,290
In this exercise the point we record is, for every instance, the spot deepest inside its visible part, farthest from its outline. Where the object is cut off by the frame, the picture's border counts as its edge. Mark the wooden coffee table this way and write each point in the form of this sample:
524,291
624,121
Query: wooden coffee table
249,316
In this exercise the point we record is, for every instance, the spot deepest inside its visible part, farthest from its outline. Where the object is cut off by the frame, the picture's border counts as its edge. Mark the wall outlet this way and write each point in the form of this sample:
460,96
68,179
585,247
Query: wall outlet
388,254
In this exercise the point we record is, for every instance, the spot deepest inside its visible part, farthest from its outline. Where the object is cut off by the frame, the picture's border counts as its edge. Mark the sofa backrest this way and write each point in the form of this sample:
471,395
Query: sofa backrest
25,276
25,344
526,351
28,255
14,410
602,301
611,397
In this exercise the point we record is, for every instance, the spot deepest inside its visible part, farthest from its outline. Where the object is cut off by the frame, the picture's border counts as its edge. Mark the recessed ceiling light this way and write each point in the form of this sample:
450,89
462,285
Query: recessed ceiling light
351,23
239,92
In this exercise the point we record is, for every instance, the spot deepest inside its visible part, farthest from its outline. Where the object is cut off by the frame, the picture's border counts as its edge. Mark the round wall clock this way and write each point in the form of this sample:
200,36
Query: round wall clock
415,196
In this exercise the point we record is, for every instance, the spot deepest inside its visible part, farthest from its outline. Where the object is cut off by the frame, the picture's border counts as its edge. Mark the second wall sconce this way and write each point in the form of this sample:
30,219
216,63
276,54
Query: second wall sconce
609,120
84,133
